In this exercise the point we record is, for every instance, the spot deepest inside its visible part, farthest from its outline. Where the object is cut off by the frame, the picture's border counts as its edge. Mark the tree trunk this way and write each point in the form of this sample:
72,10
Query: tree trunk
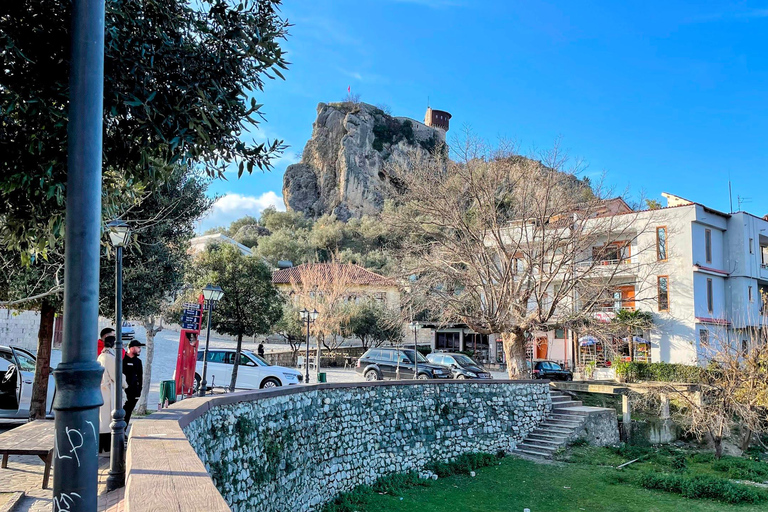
237,363
514,351
718,442
37,407
149,326
746,440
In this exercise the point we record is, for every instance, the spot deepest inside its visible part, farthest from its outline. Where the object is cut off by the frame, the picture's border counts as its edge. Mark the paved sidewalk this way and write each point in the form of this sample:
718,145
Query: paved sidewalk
25,473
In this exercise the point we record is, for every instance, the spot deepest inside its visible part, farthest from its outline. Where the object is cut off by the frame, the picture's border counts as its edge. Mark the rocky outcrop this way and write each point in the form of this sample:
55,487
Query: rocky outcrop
344,167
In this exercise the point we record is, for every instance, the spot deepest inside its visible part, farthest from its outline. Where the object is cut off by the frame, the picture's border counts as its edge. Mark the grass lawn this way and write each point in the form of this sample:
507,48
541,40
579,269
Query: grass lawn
516,484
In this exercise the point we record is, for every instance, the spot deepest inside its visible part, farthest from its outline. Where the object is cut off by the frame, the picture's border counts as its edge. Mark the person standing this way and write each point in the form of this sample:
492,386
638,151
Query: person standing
134,373
261,350
107,360
107,331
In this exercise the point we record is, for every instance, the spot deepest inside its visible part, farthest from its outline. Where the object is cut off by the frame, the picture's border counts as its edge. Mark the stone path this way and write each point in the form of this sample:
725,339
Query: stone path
25,473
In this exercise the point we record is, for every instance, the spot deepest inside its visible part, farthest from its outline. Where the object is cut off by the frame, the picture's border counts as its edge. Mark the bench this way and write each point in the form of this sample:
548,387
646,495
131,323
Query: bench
34,438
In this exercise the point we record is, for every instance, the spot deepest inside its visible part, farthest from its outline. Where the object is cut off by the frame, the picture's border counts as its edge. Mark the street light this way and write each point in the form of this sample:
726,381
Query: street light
119,236
211,294
415,326
309,317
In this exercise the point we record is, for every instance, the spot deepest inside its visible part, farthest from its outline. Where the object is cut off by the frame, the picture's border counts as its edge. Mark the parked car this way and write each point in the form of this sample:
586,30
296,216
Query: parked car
550,370
382,363
461,365
253,371
17,375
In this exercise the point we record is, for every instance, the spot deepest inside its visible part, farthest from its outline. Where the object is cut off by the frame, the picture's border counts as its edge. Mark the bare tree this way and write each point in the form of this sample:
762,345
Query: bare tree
325,287
510,245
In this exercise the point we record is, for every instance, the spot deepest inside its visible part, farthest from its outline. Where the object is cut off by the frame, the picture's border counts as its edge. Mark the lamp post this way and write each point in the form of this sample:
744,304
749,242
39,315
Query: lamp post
309,317
78,376
119,236
414,326
211,294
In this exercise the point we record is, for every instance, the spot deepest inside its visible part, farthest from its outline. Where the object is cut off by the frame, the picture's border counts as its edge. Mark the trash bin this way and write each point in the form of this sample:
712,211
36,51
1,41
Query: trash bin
167,392
321,377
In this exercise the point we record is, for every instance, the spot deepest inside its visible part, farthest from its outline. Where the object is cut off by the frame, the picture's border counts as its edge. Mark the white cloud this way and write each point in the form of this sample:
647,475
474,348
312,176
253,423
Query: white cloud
231,207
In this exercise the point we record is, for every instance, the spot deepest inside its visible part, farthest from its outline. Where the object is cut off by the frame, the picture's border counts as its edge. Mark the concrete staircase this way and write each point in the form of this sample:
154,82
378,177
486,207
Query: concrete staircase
561,426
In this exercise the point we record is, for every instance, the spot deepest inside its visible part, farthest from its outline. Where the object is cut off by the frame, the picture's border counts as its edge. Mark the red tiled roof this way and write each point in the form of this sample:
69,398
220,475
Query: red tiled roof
357,274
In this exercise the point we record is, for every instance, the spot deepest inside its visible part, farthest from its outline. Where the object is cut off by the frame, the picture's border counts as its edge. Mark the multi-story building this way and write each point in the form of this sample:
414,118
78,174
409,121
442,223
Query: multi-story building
701,273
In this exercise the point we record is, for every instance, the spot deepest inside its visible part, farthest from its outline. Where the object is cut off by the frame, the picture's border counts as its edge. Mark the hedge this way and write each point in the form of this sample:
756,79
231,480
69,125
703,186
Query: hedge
661,372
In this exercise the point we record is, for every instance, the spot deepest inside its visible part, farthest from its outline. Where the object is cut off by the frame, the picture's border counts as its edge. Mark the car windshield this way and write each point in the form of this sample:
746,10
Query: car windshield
420,358
555,366
464,360
259,361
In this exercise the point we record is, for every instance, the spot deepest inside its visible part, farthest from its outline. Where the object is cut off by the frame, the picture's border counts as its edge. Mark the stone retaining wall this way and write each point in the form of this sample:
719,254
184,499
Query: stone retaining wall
295,449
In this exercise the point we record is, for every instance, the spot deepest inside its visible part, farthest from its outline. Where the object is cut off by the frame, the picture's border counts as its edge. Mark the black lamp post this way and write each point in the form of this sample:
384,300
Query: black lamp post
309,317
415,326
119,236
211,294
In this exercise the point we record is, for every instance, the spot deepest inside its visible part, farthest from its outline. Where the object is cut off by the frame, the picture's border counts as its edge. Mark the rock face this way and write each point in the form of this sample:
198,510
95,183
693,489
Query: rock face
343,169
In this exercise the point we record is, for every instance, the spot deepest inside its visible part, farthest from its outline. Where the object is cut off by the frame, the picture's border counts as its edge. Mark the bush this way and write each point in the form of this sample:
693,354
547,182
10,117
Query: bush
463,464
701,487
742,469
661,372
360,495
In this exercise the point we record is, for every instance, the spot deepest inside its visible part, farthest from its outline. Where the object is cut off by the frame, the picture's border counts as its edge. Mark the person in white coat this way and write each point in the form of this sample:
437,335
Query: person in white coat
108,378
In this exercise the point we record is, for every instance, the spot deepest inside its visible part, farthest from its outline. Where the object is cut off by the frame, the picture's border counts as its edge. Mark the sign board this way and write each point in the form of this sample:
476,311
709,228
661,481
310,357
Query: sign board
189,344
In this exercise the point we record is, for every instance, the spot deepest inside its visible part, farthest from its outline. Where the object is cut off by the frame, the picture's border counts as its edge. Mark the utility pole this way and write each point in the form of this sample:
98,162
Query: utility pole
78,376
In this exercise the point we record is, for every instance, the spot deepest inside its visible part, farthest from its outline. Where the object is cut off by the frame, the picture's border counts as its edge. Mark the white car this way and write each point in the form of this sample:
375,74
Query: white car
17,374
253,372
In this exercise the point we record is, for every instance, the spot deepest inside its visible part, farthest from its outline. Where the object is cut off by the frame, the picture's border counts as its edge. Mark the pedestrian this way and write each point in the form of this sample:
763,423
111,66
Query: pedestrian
134,373
107,331
108,378
261,350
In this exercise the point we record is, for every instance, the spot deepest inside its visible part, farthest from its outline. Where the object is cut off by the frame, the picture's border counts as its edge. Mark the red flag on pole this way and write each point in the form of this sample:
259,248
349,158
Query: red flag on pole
349,88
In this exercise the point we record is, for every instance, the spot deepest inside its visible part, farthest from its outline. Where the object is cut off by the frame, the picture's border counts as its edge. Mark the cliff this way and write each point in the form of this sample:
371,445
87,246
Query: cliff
343,169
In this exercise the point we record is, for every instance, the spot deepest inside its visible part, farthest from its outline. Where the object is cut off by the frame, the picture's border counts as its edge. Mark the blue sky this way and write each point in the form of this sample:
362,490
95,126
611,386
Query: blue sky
660,96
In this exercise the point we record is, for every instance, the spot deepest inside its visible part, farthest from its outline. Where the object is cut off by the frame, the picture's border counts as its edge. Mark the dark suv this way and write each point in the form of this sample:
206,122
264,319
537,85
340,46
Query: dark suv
462,366
550,370
383,363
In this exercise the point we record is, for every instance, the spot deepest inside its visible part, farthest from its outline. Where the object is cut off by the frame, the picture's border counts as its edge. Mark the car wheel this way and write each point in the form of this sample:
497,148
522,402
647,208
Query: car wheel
270,382
423,376
371,375
569,378
196,388
460,376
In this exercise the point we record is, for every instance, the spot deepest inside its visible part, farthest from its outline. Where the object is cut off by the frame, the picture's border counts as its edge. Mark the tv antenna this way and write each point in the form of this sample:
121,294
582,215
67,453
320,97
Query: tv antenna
742,200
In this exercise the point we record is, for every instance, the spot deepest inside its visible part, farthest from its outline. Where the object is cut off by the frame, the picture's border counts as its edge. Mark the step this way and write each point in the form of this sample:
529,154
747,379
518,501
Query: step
574,412
544,443
533,453
555,430
571,403
548,437
560,399
525,445
567,417
563,423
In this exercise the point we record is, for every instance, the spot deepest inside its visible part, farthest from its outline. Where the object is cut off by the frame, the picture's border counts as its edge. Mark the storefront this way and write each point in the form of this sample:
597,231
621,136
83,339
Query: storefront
460,338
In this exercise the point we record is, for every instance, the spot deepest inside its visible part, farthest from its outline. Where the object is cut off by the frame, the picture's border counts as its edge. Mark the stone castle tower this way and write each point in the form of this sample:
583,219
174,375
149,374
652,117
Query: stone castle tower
437,119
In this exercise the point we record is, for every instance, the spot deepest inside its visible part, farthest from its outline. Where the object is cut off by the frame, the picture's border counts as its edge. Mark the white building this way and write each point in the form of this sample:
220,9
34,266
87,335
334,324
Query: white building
701,273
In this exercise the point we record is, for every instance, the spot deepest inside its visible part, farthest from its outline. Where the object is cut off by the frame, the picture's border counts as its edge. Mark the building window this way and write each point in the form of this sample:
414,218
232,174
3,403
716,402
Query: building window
704,337
663,292
449,341
379,296
710,306
559,334
708,244
661,243
751,246
750,295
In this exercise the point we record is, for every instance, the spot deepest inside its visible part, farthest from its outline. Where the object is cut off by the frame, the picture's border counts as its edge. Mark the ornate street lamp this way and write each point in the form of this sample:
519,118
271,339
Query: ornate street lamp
211,294
415,326
309,317
119,236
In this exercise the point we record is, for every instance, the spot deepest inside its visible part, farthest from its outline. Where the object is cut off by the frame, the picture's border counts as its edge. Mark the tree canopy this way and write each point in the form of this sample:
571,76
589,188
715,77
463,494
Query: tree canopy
179,87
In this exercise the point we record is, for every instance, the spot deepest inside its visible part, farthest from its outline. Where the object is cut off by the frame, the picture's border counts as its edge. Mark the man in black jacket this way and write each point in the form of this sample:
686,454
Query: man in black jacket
134,375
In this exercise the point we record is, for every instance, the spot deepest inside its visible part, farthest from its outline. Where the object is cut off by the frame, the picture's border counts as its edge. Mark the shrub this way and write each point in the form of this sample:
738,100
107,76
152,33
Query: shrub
679,463
463,464
662,372
742,469
701,487
579,442
360,495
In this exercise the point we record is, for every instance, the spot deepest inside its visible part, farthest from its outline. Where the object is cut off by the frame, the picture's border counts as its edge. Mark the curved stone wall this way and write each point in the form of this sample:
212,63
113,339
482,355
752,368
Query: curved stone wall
297,448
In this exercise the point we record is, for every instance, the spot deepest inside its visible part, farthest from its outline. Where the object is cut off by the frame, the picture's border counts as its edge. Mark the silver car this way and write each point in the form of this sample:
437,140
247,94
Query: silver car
17,374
